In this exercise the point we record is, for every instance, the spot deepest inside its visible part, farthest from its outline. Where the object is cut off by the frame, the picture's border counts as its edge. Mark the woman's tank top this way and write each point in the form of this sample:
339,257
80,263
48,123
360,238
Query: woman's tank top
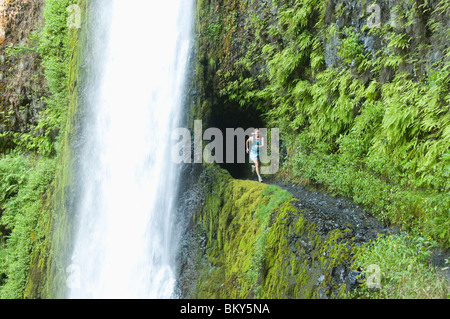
255,149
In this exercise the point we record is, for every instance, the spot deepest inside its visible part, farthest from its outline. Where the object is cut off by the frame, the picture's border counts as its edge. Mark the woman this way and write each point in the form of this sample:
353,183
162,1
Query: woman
256,144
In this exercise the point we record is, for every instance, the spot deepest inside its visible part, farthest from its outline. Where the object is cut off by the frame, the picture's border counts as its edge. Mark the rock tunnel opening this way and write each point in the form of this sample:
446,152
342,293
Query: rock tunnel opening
235,116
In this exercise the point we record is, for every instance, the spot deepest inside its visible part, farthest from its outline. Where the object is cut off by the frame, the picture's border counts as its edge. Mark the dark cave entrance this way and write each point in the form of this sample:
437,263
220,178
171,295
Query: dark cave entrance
234,116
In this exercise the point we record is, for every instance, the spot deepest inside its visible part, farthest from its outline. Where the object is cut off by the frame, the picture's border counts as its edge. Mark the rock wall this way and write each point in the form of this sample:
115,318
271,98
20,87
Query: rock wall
363,107
249,240
40,64
22,82
324,72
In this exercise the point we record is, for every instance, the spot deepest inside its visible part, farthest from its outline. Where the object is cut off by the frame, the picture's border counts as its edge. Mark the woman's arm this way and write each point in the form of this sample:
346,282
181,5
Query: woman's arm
262,143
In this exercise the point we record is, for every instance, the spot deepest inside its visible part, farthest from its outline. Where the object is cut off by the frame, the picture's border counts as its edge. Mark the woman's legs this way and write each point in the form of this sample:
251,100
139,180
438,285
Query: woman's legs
257,166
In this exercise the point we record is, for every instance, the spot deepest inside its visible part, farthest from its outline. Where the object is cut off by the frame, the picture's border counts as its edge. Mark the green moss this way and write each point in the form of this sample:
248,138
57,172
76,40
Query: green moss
253,246
373,125
34,220
47,276
23,210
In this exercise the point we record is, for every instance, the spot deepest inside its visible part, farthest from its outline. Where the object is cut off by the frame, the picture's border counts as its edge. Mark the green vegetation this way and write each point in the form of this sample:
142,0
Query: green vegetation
370,124
35,172
373,125
259,246
363,112
23,184
404,269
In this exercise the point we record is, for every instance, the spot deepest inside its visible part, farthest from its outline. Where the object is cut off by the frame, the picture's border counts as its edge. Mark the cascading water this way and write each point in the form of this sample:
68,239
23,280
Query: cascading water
125,242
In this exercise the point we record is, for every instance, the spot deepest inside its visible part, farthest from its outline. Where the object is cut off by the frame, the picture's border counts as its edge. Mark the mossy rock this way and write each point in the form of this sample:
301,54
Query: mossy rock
259,246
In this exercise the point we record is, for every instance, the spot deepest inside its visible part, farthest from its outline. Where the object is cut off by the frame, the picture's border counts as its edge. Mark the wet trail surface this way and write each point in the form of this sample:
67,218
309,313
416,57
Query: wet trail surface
330,211
325,210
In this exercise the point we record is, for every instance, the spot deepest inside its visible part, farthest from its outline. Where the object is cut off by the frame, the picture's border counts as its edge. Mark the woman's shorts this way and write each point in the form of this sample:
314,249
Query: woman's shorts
254,157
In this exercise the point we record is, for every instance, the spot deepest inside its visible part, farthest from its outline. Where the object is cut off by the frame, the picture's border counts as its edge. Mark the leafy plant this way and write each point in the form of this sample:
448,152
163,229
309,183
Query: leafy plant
28,170
405,270
374,126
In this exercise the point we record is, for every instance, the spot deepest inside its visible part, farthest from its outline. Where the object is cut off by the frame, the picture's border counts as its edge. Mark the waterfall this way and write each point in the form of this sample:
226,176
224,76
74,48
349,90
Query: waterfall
124,241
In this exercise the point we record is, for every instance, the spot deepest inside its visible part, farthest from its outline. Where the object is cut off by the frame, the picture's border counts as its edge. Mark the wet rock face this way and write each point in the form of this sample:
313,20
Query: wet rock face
22,81
328,213
226,33
364,16
308,241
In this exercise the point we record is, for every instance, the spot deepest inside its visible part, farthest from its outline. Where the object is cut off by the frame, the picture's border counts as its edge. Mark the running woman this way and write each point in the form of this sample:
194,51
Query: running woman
256,143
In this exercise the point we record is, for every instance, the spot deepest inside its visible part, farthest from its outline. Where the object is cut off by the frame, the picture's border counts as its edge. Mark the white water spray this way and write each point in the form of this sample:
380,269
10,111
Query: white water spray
125,240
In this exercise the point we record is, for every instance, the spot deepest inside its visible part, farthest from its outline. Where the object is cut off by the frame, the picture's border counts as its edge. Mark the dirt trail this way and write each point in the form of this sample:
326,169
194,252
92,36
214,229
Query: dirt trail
335,212
330,212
